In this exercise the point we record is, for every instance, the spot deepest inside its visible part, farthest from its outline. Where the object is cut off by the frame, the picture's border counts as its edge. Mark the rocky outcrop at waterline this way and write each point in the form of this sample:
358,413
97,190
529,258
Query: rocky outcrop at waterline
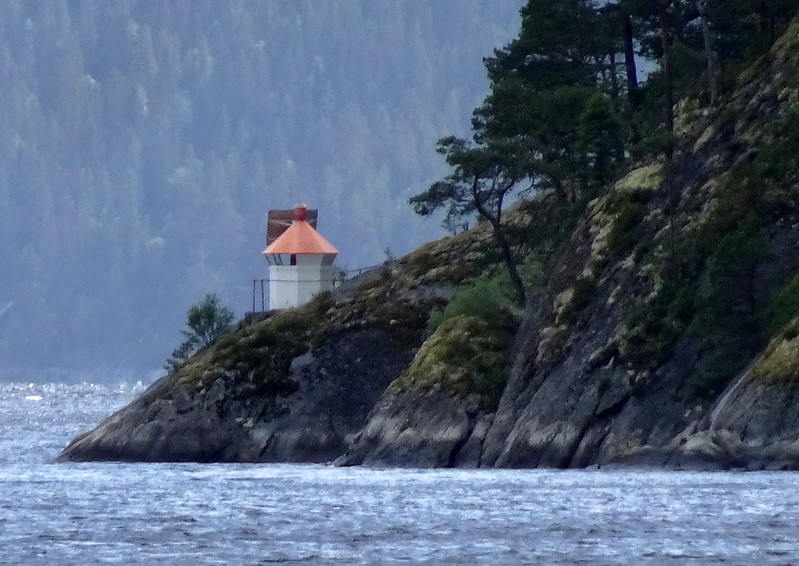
287,386
661,331
307,415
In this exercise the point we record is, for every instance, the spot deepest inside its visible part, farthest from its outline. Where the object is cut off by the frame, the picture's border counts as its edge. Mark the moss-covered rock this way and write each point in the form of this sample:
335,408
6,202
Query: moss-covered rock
465,357
779,364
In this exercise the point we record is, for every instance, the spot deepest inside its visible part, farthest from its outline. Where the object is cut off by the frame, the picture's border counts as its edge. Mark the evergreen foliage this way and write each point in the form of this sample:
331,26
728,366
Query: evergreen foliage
483,178
206,321
552,120
727,319
600,140
784,306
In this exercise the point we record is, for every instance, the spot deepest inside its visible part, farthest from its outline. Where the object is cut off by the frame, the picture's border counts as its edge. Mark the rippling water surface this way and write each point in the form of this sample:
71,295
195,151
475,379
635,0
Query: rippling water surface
259,514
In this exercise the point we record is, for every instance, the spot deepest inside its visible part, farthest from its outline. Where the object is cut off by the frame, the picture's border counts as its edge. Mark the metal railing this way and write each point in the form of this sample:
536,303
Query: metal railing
254,290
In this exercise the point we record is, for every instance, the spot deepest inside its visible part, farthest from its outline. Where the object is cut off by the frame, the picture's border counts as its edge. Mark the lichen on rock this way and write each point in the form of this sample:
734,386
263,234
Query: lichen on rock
780,361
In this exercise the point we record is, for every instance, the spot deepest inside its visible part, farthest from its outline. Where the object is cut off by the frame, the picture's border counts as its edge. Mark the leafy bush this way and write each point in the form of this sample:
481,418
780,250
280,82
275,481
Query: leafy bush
488,299
653,326
783,307
584,292
628,209
654,143
467,341
654,323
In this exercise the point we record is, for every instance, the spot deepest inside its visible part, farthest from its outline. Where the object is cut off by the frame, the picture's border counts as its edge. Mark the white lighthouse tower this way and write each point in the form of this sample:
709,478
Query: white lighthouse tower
300,263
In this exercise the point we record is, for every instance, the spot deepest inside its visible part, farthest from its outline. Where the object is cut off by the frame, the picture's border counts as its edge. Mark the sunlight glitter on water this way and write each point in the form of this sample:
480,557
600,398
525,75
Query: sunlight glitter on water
247,514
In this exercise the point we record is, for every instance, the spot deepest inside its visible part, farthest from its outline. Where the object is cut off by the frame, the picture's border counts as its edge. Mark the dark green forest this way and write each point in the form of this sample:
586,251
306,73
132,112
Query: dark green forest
142,142
569,110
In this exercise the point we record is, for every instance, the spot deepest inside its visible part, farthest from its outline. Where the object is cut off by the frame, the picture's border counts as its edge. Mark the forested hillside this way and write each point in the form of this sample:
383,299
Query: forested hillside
142,142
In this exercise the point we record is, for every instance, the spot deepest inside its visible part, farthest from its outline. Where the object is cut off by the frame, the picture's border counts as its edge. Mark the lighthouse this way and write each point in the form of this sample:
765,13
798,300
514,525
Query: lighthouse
300,262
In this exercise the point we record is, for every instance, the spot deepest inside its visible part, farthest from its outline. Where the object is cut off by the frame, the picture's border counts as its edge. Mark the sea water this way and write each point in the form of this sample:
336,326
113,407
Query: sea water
111,513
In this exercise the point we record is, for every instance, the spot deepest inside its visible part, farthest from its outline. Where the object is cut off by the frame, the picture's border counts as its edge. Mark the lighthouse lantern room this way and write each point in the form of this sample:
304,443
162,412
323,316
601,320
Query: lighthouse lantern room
300,260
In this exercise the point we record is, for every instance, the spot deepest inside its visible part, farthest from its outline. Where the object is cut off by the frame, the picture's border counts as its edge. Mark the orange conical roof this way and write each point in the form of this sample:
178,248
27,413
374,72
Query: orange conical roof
300,238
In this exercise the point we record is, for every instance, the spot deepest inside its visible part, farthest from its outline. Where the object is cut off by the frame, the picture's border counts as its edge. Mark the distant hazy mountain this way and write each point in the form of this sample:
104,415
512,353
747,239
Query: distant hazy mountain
142,142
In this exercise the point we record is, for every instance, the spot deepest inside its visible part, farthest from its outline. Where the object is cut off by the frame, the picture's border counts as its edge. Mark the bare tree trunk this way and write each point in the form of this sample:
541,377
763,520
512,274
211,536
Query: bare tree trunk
710,53
629,58
668,103
614,80
560,190
510,263
631,69
504,246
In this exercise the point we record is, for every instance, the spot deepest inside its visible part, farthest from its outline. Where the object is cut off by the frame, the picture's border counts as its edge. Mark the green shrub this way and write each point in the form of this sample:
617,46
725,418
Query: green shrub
465,356
584,292
765,184
783,306
653,326
488,299
714,373
628,209
655,143
467,341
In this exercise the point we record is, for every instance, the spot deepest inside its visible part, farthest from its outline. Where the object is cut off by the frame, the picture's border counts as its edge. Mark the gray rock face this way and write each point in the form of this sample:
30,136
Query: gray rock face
753,425
338,386
418,429
335,387
570,413
156,427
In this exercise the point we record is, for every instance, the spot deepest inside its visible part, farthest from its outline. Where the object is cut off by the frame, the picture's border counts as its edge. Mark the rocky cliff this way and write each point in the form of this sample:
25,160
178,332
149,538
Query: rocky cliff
661,330
293,385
